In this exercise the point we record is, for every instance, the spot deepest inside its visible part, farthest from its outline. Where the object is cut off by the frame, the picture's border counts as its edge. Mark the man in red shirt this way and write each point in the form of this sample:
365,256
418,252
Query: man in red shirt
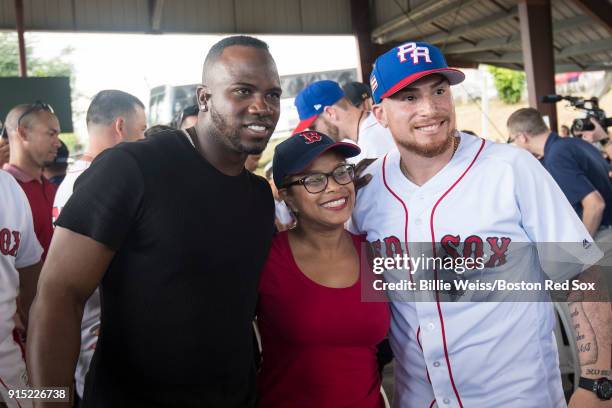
33,132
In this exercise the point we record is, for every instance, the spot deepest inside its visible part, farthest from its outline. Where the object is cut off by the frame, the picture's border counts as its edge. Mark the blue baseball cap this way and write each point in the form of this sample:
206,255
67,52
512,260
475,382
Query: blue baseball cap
296,153
401,66
311,101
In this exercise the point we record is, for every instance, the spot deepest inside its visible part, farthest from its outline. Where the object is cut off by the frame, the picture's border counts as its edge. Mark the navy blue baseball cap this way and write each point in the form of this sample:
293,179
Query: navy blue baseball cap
296,153
311,101
62,154
401,66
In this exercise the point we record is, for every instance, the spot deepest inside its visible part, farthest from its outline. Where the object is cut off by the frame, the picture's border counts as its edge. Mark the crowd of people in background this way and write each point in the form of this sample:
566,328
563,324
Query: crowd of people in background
159,246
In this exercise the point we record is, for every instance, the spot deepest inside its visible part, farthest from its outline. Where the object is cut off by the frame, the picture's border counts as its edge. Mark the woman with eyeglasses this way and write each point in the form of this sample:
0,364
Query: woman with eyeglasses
319,339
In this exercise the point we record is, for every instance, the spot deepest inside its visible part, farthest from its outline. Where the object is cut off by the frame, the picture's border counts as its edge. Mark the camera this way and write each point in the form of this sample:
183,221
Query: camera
589,106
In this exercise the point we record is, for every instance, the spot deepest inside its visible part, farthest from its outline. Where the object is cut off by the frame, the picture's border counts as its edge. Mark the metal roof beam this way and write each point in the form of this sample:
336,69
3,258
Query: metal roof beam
563,67
397,22
598,66
598,10
484,45
415,22
466,29
585,48
508,58
571,51
514,39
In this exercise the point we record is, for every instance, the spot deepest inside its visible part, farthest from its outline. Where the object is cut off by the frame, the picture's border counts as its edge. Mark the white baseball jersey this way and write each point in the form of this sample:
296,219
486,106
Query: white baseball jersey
282,212
19,248
374,139
473,354
91,312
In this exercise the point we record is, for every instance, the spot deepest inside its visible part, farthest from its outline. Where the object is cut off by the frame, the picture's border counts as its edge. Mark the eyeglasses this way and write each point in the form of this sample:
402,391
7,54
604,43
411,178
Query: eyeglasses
512,138
36,106
316,182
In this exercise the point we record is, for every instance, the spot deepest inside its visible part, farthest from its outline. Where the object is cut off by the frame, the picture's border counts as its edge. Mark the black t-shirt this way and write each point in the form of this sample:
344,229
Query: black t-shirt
179,296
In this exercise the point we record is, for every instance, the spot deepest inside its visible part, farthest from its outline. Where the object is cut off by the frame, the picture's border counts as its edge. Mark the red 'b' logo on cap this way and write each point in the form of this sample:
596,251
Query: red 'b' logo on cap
311,137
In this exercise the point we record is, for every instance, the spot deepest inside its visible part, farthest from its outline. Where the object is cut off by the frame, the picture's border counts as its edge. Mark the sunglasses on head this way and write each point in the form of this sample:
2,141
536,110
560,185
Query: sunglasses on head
34,107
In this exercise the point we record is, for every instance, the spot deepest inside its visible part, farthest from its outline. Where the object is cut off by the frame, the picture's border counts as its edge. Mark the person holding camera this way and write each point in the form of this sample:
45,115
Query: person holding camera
598,135
575,164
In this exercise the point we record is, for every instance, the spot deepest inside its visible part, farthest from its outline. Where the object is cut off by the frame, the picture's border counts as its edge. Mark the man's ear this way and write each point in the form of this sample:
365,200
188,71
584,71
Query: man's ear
330,113
119,128
20,133
380,115
203,95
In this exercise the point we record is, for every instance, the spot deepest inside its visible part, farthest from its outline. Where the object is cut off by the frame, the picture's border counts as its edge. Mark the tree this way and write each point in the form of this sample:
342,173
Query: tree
72,142
509,84
37,67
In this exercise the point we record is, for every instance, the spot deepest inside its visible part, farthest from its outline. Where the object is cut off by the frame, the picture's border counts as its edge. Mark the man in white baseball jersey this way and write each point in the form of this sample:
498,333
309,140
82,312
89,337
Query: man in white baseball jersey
112,117
323,106
461,194
20,265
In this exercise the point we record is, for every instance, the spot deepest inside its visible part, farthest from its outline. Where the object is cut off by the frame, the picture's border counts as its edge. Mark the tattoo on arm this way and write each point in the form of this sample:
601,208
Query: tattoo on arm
585,335
599,373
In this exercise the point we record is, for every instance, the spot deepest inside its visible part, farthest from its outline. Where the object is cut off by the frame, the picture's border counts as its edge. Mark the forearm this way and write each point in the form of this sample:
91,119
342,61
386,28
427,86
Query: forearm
28,279
592,319
591,217
593,323
53,342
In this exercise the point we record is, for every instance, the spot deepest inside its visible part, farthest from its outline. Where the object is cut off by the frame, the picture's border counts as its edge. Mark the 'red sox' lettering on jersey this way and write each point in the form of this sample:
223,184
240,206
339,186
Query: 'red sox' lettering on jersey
9,241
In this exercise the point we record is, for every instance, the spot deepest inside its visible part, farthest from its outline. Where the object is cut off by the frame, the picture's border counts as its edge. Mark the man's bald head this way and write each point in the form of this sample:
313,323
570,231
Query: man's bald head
217,50
13,116
33,115
239,101
33,131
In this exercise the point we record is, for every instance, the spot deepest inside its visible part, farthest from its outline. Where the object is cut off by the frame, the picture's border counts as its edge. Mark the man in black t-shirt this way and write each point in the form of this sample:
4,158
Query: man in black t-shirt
175,231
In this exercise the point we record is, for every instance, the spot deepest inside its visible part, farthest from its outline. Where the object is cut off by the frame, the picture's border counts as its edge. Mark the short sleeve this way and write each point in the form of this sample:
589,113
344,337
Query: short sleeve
572,180
106,200
564,245
29,250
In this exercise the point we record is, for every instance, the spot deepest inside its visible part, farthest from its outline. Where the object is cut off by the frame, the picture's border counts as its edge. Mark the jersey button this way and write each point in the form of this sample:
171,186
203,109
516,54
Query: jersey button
431,326
446,401
436,364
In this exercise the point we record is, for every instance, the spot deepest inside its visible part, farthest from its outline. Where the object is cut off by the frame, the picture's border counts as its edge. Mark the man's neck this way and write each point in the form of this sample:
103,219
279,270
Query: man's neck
538,142
355,124
99,142
420,169
27,167
228,162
